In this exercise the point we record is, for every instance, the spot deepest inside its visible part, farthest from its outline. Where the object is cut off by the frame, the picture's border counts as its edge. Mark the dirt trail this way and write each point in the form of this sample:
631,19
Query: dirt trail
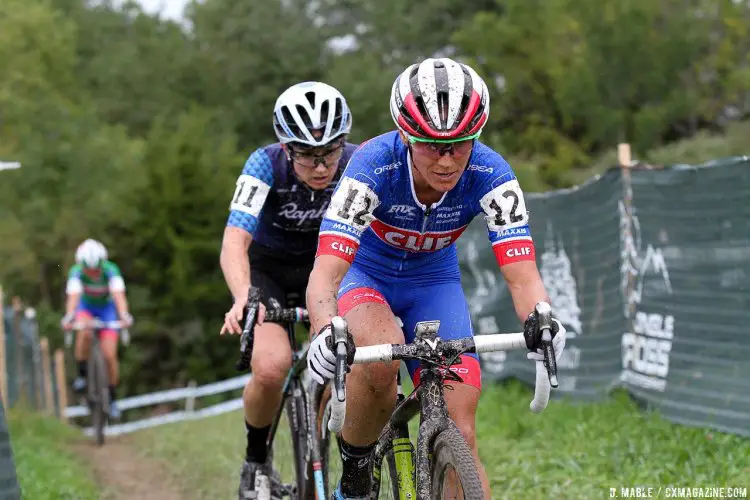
124,474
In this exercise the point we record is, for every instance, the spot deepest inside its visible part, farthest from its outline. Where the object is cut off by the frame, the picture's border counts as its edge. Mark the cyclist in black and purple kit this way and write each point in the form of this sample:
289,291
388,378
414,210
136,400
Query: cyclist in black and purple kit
278,204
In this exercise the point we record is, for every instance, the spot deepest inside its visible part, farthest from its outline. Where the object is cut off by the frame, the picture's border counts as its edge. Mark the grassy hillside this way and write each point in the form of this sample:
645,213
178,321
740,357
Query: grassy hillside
47,469
571,451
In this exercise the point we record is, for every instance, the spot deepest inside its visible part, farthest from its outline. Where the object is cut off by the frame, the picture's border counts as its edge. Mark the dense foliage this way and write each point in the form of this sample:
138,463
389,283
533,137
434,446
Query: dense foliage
132,128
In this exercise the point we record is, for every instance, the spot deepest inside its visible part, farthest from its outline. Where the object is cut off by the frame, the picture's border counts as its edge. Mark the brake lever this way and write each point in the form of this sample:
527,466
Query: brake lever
544,316
250,318
338,396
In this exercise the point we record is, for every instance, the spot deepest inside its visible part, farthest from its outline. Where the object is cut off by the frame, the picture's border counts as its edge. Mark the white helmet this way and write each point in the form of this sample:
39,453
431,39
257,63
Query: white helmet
309,106
91,253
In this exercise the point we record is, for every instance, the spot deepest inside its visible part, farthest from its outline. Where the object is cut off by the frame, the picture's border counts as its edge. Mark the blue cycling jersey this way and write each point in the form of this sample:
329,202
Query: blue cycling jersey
281,212
376,221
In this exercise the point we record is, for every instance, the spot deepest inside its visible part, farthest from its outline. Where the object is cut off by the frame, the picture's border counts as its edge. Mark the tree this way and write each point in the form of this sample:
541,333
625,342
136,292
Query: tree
248,53
168,244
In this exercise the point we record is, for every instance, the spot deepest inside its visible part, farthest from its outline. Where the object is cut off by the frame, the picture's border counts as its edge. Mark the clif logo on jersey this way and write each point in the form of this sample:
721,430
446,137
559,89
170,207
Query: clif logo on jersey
516,250
414,241
341,247
338,245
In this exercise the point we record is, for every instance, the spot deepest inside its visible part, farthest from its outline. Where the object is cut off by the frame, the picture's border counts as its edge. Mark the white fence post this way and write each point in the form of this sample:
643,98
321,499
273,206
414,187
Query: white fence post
190,399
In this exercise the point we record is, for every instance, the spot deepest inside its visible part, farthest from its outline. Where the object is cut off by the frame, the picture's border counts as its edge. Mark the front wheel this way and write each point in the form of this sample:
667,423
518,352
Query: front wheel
98,393
453,471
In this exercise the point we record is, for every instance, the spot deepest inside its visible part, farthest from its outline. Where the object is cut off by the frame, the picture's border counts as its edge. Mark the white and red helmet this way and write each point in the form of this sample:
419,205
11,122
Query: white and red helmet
440,99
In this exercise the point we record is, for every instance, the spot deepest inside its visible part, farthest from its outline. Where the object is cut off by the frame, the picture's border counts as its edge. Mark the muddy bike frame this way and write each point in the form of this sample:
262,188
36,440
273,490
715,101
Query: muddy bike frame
410,471
427,400
299,400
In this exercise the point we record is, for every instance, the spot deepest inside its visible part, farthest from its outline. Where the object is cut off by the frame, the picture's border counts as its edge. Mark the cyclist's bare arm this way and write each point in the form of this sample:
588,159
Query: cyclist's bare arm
121,303
71,303
322,289
525,285
234,261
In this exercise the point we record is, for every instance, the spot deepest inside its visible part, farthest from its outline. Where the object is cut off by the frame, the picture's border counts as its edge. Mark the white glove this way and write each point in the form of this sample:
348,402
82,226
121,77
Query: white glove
558,342
67,320
321,361
127,320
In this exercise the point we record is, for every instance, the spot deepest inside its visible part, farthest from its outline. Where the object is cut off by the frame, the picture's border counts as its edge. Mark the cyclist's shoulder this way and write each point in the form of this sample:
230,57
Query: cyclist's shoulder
379,149
75,271
488,163
350,148
111,269
487,170
375,156
264,161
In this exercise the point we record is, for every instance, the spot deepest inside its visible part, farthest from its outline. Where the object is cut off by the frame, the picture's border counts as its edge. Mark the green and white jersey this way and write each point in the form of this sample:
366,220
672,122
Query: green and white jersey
95,292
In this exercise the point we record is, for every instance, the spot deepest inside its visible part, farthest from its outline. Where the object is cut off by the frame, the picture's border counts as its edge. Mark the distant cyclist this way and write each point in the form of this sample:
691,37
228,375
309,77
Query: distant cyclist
387,246
279,202
96,289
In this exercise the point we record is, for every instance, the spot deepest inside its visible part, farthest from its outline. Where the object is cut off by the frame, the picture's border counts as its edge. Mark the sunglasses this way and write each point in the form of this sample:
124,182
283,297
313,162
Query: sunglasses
311,160
435,148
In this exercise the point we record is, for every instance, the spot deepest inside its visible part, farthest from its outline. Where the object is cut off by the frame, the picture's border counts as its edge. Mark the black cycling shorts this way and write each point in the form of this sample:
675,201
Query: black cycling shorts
281,277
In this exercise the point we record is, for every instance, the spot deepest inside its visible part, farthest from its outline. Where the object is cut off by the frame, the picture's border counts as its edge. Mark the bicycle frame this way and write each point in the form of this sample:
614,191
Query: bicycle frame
98,403
427,400
310,398
413,470
299,364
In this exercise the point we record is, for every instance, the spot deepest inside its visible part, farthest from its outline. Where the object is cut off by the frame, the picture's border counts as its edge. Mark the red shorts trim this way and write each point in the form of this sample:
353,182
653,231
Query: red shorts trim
357,296
469,370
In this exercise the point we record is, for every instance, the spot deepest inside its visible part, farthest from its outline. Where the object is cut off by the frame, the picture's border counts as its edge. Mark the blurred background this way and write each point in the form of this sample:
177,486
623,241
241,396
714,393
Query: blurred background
132,121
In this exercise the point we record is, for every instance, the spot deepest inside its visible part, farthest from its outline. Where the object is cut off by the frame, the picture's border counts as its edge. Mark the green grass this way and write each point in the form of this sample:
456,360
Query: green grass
571,451
581,450
203,455
46,469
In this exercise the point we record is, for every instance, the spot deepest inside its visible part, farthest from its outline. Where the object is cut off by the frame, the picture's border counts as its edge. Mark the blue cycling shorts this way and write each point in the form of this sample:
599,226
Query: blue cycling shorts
106,313
442,300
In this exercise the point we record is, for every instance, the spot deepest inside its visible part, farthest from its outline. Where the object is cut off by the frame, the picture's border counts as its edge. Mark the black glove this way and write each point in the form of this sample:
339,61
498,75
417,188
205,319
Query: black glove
533,335
350,347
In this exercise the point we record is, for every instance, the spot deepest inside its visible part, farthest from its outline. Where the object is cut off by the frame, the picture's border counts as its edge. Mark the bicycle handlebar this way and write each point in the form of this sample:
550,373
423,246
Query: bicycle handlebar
97,324
546,371
276,315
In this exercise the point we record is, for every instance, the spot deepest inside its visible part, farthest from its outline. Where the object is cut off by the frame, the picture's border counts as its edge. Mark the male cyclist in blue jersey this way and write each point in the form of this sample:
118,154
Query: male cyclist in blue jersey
280,199
96,289
386,247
